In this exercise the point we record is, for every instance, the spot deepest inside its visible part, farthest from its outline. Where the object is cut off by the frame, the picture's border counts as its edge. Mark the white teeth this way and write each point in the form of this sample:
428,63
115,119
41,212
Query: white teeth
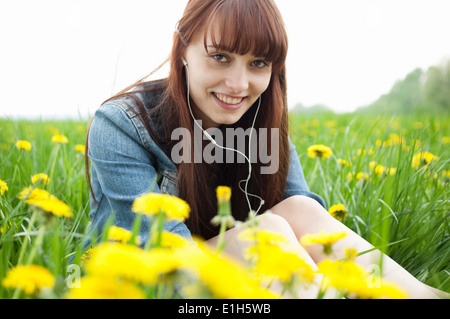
227,99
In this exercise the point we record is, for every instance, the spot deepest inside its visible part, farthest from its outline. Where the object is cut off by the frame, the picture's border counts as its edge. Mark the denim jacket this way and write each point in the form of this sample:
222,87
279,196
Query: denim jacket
126,163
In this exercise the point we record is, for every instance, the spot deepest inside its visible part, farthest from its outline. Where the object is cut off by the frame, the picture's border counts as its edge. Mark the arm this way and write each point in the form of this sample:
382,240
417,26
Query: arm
122,168
296,183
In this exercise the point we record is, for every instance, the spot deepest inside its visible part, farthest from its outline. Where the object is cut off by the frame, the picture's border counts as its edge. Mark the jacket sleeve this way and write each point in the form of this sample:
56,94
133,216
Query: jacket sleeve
296,183
121,170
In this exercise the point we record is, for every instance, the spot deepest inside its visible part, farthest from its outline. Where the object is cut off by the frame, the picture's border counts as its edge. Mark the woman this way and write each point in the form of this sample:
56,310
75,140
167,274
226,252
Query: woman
227,71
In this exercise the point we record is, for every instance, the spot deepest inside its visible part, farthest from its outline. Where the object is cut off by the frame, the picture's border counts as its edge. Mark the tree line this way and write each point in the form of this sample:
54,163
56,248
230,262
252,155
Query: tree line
419,92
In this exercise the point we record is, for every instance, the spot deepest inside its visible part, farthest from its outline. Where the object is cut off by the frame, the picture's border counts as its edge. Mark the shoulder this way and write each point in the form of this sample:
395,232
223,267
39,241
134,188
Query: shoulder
129,113
145,97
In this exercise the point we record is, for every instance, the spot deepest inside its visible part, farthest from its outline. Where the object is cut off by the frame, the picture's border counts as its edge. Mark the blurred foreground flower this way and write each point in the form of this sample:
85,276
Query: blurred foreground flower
3,187
121,235
352,279
234,280
45,201
116,260
30,279
193,268
224,216
171,240
271,256
23,145
151,204
99,287
323,238
40,177
319,151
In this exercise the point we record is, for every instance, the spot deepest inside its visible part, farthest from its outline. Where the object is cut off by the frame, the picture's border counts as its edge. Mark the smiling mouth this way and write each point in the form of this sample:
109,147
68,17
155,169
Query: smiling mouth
228,99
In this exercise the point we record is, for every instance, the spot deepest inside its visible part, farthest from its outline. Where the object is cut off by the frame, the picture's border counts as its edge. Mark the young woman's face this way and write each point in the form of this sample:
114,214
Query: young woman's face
223,85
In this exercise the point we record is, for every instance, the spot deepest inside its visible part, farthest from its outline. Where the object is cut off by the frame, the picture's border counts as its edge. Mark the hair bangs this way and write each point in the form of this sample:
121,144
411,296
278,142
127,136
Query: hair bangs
243,26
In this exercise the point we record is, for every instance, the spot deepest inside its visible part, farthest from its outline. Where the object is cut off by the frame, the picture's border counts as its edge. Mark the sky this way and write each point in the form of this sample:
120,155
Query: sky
62,58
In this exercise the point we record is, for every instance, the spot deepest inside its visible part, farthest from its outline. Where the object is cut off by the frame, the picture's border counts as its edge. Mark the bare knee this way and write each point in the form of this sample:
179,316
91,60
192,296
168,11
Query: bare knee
301,206
271,221
278,224
304,215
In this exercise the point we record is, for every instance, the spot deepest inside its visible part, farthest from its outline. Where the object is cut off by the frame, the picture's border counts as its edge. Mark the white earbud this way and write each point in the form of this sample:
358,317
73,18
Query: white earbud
209,137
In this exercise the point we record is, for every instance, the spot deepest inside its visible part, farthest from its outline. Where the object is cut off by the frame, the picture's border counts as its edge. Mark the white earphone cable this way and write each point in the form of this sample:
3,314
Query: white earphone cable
228,148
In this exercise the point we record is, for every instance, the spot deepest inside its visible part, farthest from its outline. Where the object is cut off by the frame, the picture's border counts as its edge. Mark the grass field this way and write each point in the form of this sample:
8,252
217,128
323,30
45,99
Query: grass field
392,197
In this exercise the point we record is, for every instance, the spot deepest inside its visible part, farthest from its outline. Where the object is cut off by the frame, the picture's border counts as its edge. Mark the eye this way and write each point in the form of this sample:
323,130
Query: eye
260,64
220,57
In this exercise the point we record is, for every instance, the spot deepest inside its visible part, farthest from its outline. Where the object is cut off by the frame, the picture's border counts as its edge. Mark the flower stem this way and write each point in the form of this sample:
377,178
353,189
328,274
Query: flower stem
156,231
36,245
25,244
221,240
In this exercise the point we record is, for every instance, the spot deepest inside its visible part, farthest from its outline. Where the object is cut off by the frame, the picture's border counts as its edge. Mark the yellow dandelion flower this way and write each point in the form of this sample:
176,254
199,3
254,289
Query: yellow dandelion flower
3,187
234,280
171,240
276,261
120,234
262,236
98,287
319,151
44,200
271,256
224,216
152,204
350,253
391,171
422,158
59,138
80,148
359,176
30,279
338,211
394,139
362,176
352,279
53,205
378,142
23,145
370,151
40,177
132,263
376,169
344,162
223,193
30,193
323,238
87,254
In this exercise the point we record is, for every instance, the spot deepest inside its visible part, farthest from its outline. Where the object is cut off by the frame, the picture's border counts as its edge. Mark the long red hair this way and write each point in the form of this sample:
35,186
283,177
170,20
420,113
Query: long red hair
245,26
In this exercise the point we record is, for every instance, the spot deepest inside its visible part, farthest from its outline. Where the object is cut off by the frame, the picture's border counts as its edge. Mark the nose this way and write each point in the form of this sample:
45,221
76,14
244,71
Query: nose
237,79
